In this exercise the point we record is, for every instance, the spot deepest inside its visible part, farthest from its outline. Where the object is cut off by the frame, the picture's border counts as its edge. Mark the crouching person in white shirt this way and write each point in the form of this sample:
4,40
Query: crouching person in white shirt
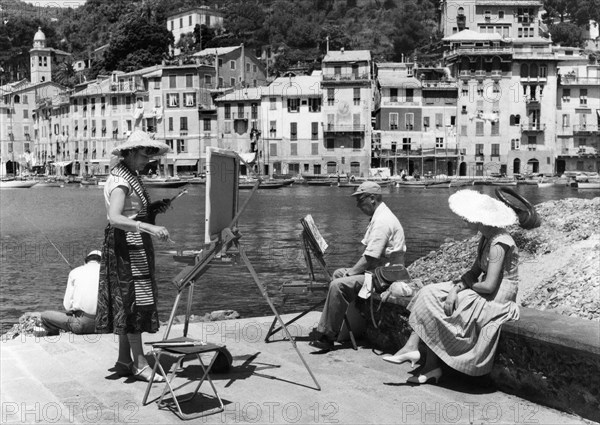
80,300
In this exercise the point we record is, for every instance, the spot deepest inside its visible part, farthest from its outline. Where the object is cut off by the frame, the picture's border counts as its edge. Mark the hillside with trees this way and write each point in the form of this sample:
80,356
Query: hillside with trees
291,31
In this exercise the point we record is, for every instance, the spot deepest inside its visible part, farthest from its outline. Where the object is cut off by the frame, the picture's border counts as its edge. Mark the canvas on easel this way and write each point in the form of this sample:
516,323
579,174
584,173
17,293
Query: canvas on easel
222,235
314,246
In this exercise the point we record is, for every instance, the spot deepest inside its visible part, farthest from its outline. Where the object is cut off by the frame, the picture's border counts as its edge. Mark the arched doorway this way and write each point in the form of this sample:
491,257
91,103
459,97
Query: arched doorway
12,167
561,166
517,166
533,166
462,169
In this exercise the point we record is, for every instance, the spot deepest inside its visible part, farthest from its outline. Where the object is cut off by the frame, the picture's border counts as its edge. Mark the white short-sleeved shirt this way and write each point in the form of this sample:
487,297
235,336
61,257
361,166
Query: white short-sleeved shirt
82,288
384,238
133,203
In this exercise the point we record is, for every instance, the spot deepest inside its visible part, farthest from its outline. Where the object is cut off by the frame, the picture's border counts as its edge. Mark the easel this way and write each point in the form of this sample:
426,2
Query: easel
186,278
310,249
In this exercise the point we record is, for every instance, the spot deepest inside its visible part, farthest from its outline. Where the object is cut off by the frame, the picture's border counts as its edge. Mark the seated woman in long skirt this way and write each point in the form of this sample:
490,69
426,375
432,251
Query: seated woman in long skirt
459,321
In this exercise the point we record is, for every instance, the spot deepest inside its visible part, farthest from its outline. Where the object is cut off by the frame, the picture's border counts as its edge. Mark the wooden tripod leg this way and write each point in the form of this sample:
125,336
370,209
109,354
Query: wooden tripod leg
172,317
347,322
265,295
188,310
304,313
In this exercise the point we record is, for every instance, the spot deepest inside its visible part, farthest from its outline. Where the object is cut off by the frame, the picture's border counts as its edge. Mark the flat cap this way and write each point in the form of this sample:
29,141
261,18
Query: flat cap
368,187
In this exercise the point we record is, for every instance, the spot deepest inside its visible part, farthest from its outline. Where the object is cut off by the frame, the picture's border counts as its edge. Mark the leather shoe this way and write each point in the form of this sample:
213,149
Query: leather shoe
424,378
322,343
145,373
412,357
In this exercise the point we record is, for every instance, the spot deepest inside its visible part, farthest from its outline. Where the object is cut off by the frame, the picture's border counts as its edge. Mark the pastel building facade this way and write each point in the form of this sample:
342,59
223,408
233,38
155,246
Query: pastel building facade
184,22
577,113
415,120
348,102
507,83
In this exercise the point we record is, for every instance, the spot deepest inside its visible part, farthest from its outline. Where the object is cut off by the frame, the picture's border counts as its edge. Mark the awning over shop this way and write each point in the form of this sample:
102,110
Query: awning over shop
186,162
62,163
248,158
100,161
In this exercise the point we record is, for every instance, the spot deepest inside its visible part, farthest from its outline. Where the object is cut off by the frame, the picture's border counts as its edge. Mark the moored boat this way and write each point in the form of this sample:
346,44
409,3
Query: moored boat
264,185
418,184
441,184
167,184
17,184
50,183
321,182
461,182
593,185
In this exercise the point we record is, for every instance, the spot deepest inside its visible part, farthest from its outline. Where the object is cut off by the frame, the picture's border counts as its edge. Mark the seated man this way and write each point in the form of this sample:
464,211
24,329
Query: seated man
80,300
384,245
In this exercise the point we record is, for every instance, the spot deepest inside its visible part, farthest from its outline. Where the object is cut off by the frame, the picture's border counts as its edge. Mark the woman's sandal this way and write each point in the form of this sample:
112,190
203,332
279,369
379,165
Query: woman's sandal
141,376
123,369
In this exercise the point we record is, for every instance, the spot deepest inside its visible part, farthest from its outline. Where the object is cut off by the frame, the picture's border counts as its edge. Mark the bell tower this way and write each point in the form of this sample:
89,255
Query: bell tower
41,59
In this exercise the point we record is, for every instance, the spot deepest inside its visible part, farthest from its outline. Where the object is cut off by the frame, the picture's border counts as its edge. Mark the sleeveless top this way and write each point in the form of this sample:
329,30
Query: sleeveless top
509,279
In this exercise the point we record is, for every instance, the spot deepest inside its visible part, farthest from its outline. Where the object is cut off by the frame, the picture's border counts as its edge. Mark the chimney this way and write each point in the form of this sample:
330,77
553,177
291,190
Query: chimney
342,50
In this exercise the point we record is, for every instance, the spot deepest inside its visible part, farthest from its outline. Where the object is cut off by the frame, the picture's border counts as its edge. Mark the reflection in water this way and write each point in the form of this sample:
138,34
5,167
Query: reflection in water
33,275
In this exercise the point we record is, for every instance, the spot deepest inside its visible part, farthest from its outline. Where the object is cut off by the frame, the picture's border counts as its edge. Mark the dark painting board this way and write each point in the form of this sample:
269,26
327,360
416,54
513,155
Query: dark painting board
222,178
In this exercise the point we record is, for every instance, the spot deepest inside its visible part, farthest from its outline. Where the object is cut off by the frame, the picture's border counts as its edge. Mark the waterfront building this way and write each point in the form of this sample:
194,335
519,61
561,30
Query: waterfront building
577,112
20,125
239,126
26,112
348,88
292,126
182,113
277,127
235,67
415,120
507,85
183,22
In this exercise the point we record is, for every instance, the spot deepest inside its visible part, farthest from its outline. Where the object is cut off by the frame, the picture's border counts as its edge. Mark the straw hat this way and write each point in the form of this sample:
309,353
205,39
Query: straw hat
476,207
141,139
367,187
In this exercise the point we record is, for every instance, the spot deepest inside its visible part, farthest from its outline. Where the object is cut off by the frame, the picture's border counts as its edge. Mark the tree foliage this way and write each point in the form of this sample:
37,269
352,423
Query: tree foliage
295,30
140,41
567,34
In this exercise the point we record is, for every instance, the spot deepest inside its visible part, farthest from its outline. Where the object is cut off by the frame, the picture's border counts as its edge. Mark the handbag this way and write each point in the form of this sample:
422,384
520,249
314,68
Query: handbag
384,276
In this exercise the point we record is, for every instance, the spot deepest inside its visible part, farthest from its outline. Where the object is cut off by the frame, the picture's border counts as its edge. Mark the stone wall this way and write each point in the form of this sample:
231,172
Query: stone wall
544,357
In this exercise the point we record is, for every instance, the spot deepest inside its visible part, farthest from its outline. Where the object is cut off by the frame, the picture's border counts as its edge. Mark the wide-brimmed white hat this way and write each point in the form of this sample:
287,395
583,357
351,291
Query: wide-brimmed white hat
476,207
141,139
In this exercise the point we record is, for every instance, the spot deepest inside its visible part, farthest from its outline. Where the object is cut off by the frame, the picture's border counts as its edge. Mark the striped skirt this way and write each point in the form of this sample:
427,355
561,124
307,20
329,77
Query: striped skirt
467,340
127,291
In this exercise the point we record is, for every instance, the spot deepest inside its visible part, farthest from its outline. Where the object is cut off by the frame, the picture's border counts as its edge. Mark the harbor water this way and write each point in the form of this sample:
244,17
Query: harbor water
37,223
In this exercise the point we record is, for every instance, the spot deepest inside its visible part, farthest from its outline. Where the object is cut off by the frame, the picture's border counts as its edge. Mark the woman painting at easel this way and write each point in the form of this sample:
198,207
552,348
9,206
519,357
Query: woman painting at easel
127,294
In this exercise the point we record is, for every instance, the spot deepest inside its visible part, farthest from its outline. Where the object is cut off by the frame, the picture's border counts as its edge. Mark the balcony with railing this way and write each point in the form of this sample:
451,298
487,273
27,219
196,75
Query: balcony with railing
346,77
494,74
128,86
478,50
574,80
344,128
240,116
529,79
438,85
534,127
584,129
